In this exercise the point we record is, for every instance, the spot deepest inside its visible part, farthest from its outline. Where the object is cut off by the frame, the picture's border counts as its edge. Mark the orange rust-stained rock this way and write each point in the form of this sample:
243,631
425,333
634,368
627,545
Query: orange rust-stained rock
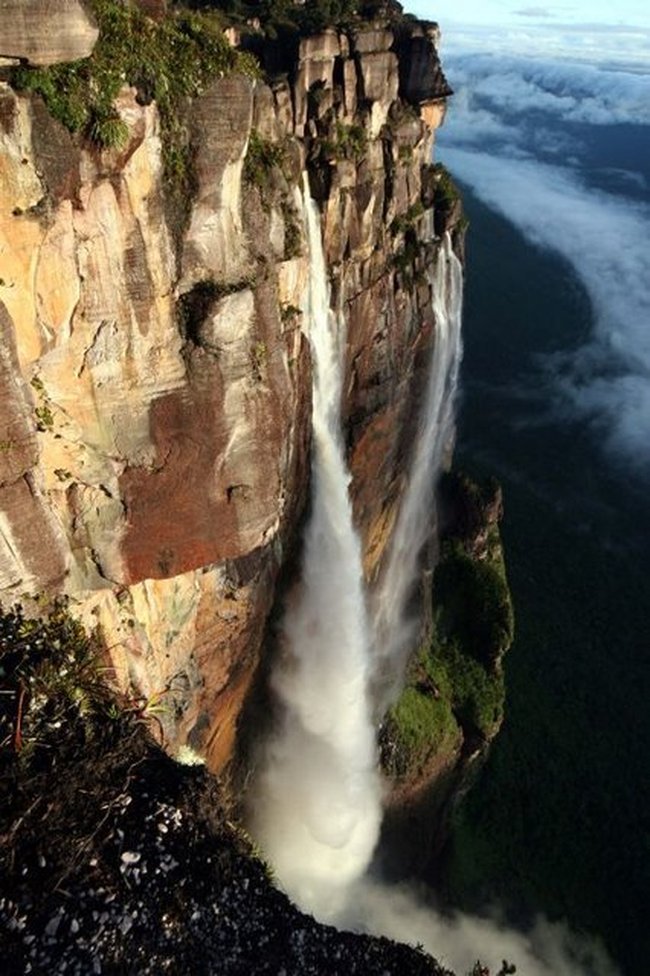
175,522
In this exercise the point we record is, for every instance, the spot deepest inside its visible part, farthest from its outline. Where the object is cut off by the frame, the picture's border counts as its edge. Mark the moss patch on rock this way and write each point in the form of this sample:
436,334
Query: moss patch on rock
420,726
455,685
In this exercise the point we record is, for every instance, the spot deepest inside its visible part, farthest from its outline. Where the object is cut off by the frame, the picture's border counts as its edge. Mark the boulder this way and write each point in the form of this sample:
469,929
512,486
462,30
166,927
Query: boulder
43,32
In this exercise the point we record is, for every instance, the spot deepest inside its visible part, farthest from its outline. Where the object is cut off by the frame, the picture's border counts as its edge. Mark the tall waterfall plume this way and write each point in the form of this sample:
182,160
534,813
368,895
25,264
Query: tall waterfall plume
395,629
317,807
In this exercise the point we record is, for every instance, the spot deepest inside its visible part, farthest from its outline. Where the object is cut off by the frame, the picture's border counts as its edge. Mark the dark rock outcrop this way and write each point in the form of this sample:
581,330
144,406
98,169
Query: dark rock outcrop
115,859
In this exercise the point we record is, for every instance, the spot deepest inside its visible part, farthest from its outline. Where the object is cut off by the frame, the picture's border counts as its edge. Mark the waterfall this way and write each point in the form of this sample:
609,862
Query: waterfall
317,806
395,629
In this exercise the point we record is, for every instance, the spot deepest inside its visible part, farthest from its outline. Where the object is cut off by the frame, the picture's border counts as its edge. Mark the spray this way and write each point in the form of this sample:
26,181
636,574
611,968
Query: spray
317,806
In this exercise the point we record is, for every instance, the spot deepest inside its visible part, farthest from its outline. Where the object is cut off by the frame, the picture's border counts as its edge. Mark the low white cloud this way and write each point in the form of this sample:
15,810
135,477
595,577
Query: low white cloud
533,12
568,91
606,241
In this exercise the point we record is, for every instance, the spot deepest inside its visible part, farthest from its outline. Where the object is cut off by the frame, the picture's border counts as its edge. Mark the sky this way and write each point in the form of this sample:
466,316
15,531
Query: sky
634,13
594,31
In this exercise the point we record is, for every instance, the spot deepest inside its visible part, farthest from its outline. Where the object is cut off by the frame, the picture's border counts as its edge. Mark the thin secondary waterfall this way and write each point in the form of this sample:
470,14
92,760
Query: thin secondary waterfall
395,629
318,805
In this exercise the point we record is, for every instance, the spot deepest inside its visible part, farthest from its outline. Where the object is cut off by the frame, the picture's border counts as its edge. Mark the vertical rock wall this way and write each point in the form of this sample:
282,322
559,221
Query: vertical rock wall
154,438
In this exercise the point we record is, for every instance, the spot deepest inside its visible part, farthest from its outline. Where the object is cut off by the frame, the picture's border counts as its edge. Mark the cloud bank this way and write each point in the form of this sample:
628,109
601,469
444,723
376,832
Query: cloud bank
507,112
572,92
619,47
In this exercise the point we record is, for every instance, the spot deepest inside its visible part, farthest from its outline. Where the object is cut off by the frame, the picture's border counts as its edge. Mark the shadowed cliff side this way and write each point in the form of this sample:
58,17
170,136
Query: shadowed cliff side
436,737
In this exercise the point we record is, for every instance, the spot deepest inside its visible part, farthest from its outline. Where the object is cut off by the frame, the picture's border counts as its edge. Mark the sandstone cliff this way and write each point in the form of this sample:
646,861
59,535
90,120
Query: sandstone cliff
154,440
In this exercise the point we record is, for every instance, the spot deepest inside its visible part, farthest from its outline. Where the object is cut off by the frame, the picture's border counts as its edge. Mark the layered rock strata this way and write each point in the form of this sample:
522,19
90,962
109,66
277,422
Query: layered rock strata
154,442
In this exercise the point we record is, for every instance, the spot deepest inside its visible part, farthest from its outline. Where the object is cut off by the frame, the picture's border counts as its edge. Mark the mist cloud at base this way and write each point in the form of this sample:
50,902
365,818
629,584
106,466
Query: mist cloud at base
457,941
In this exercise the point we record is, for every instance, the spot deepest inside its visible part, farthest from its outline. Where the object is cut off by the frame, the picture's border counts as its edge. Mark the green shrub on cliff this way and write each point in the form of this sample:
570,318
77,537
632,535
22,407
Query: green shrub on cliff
347,142
51,685
473,604
166,61
476,694
456,682
262,157
279,17
446,190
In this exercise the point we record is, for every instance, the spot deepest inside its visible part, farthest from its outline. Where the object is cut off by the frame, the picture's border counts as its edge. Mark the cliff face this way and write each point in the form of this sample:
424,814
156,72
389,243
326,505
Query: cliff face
154,441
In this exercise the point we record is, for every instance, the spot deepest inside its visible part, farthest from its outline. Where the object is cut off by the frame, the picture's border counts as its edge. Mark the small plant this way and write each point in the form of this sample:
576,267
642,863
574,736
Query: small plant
403,221
109,131
147,709
347,142
292,231
262,157
404,260
44,418
446,191
259,354
43,412
289,315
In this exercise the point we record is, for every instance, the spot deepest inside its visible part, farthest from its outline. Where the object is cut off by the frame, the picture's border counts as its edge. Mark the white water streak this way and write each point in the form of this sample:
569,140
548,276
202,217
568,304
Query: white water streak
318,805
396,629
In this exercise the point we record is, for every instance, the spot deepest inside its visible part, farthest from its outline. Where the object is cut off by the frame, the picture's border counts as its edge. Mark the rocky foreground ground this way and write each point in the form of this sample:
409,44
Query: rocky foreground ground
116,859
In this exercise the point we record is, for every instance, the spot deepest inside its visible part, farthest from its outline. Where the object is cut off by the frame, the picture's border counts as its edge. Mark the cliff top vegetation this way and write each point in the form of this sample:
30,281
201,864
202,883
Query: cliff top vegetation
274,17
167,60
